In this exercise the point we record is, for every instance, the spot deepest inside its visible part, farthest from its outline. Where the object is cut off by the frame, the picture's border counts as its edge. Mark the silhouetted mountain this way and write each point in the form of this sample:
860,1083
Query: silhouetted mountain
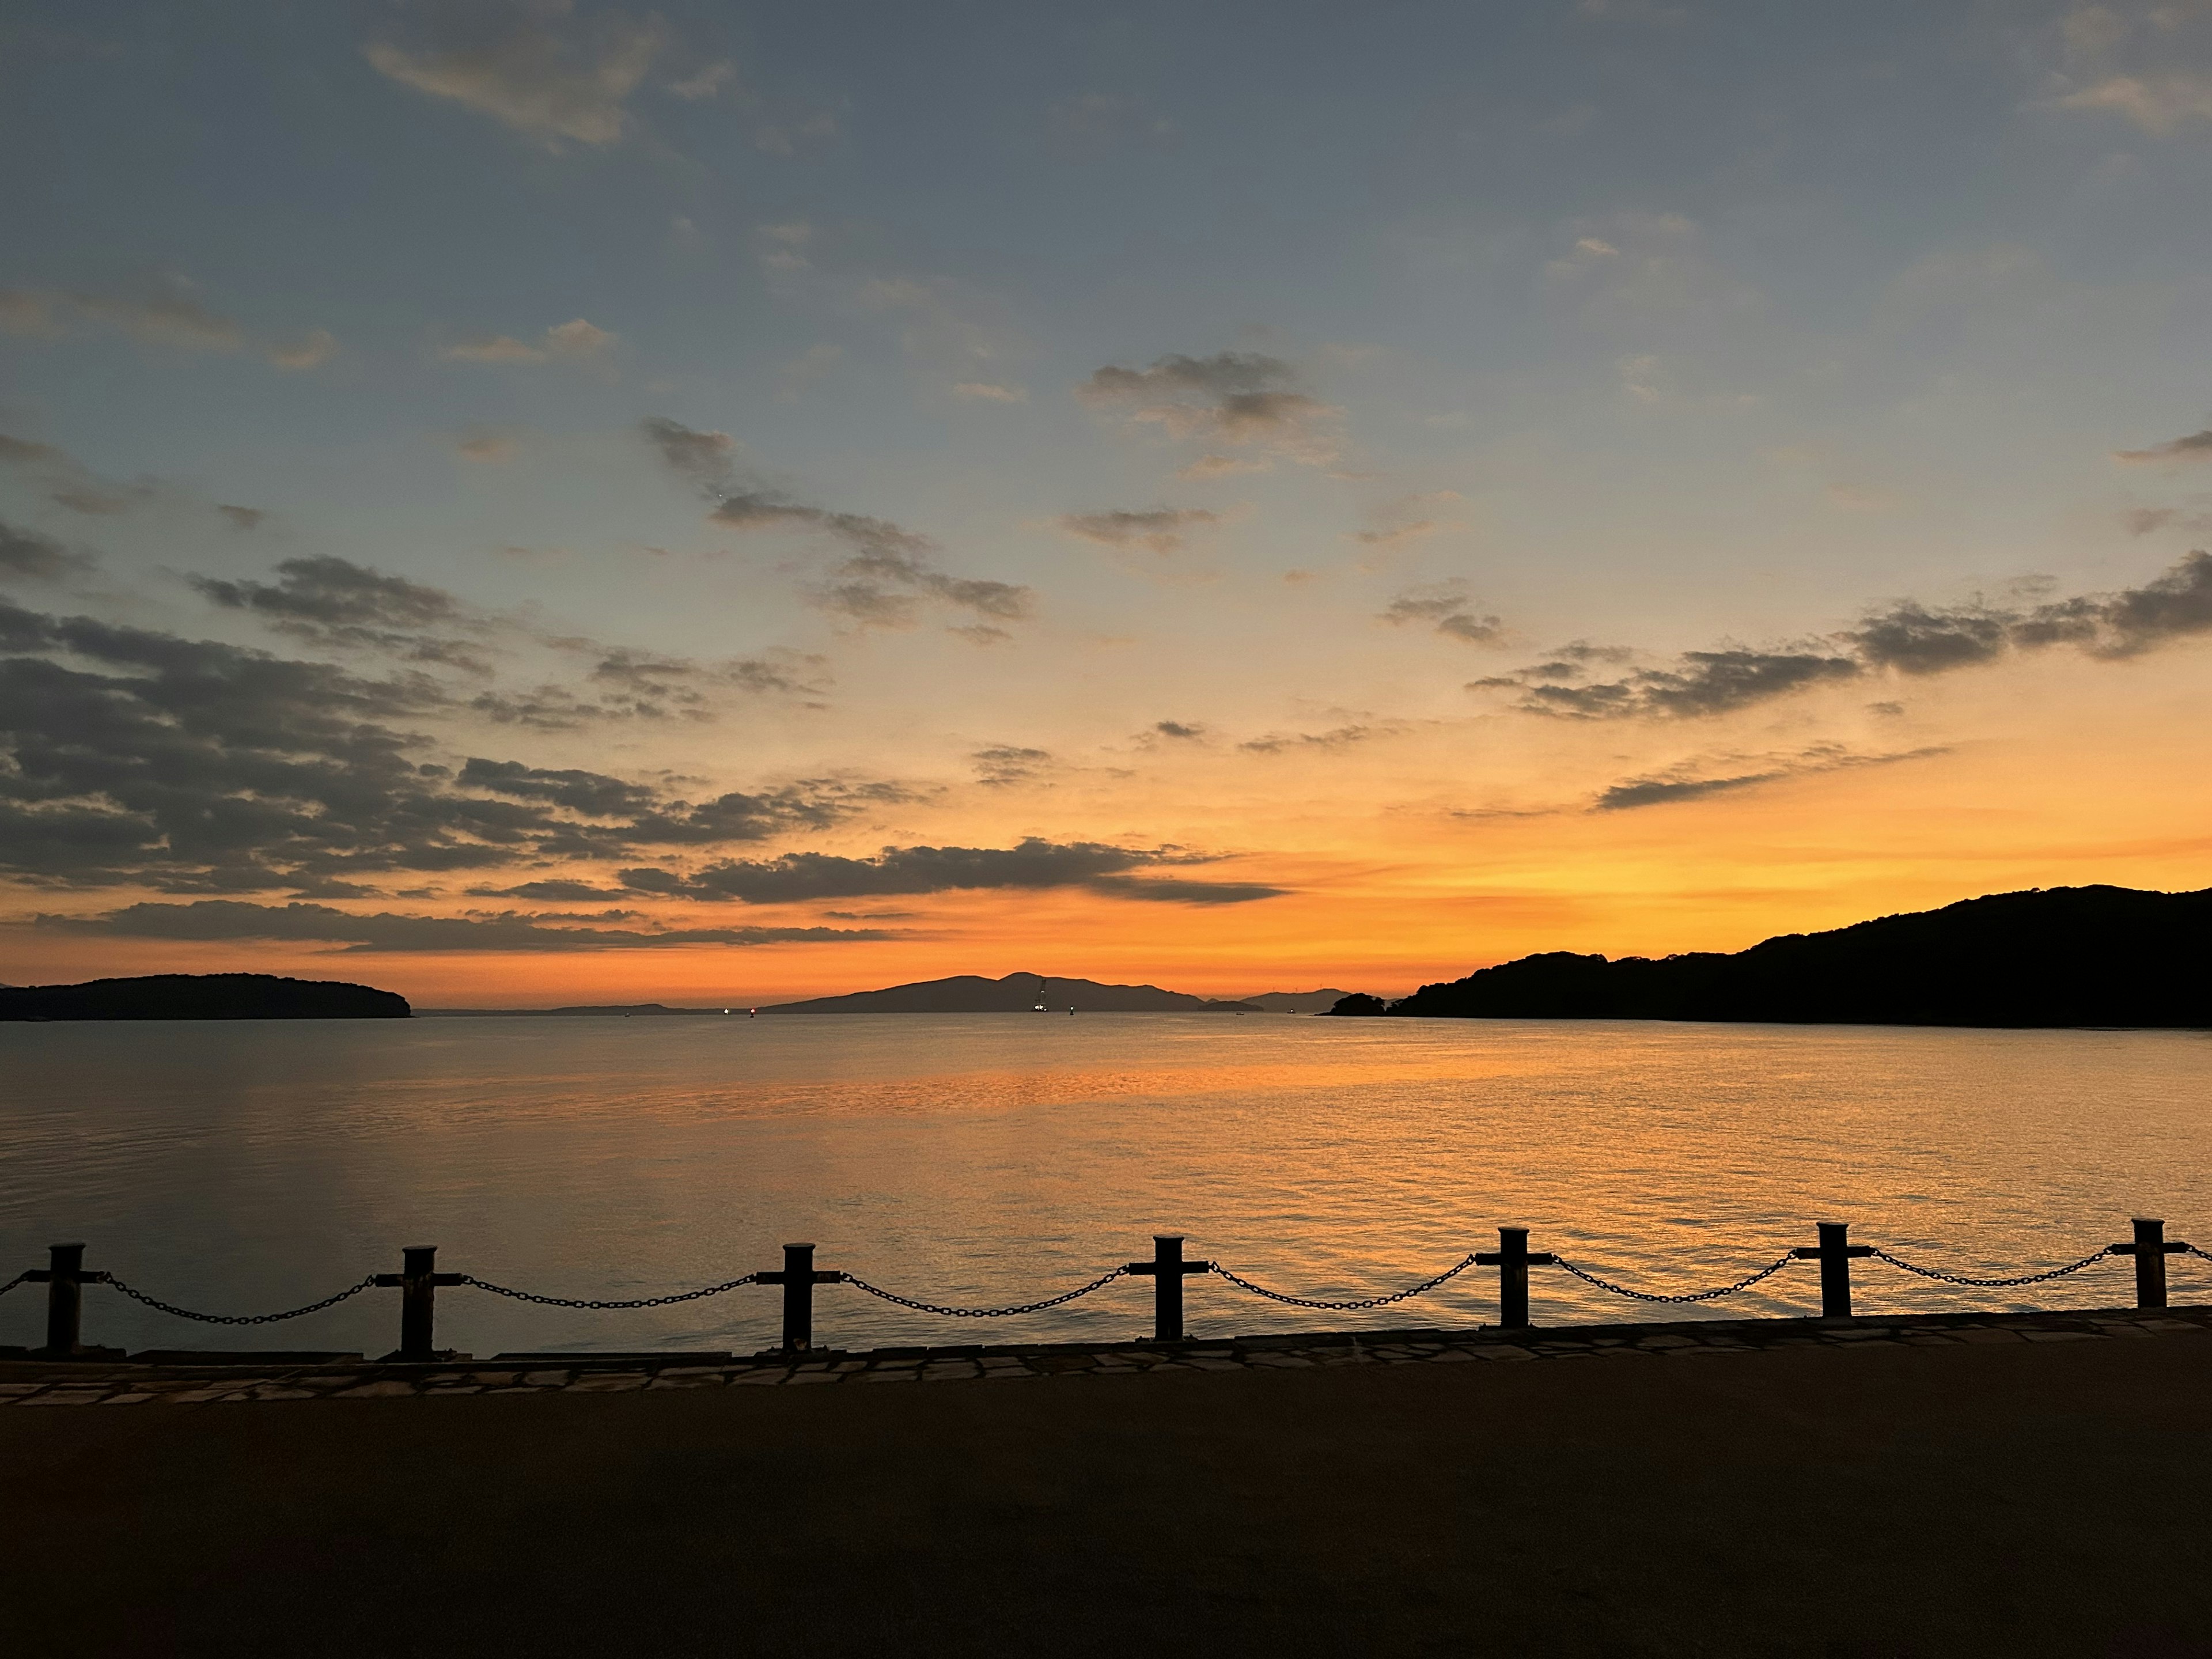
1295,1002
202,996
968,993
1359,1003
2062,955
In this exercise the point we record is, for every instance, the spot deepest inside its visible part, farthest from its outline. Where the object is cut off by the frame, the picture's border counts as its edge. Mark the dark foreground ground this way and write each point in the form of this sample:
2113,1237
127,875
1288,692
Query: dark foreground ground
2020,1497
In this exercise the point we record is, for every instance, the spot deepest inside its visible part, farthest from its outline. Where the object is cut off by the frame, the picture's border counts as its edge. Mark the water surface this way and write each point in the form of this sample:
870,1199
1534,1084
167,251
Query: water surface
245,1167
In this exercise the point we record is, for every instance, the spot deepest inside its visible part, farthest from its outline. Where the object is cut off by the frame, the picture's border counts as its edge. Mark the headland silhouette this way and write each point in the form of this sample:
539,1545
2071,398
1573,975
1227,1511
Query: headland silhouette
2055,957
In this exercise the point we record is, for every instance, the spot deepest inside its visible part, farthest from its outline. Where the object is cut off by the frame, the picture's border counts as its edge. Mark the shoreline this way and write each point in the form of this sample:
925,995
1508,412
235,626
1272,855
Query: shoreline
201,1377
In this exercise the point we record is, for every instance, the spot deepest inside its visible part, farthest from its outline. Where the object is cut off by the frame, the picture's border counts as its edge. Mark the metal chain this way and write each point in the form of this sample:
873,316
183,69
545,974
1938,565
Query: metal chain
2193,1250
1743,1284
1099,1283
1881,1254
242,1319
580,1302
14,1282
1241,1283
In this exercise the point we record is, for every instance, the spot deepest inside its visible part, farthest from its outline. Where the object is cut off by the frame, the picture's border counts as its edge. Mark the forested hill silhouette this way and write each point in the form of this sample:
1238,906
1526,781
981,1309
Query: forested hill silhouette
2061,956
970,993
202,996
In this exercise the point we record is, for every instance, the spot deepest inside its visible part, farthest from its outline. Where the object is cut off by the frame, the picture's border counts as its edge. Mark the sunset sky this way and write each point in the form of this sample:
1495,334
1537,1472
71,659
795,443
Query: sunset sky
533,502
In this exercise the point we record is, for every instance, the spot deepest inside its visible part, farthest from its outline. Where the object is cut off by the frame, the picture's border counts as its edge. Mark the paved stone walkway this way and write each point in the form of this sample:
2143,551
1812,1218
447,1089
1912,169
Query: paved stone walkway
179,1379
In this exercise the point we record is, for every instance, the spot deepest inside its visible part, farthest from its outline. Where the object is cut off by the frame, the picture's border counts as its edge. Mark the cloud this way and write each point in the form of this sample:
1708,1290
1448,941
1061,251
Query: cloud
2196,447
1914,639
2161,104
1236,397
1687,784
1905,637
555,892
337,605
487,448
1702,682
27,554
241,518
705,82
2143,521
1223,466
529,64
1342,737
1161,529
310,351
1008,763
573,341
1445,606
132,756
1180,731
1033,864
389,932
988,392
888,574
163,310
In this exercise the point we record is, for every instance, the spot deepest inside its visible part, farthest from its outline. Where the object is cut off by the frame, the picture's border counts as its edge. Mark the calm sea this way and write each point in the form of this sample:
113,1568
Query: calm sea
994,1158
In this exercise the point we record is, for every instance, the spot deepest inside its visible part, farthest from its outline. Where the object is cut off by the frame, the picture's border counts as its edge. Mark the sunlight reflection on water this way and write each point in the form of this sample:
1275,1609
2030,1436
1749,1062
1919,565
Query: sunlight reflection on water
982,1158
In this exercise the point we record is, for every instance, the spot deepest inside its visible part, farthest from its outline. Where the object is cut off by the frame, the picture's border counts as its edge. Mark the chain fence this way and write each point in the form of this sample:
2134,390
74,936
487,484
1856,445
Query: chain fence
1245,1284
1743,1284
159,1306
1097,1284
670,1301
1881,1254
915,1304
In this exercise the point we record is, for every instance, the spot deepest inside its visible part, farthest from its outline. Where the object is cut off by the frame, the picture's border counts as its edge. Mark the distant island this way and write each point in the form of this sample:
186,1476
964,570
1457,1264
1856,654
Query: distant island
964,993
968,993
2060,956
202,996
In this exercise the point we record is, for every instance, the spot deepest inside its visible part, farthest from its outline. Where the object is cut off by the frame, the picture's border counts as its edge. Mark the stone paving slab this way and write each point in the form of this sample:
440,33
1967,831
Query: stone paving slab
253,1378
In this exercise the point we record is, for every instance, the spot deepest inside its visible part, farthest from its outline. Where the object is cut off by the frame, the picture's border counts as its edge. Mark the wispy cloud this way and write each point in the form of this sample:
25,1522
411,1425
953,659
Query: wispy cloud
530,65
1236,397
573,341
1906,637
387,932
1448,608
2196,446
1033,864
1696,782
888,574
1163,529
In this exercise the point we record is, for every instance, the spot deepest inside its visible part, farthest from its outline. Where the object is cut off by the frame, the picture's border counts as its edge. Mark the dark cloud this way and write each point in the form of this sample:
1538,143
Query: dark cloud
1032,864
627,684
1237,397
1690,783
1183,730
1008,763
1914,639
1341,737
241,518
340,605
2196,447
888,574
132,756
552,892
1160,529
208,920
40,558
1446,607
1185,892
